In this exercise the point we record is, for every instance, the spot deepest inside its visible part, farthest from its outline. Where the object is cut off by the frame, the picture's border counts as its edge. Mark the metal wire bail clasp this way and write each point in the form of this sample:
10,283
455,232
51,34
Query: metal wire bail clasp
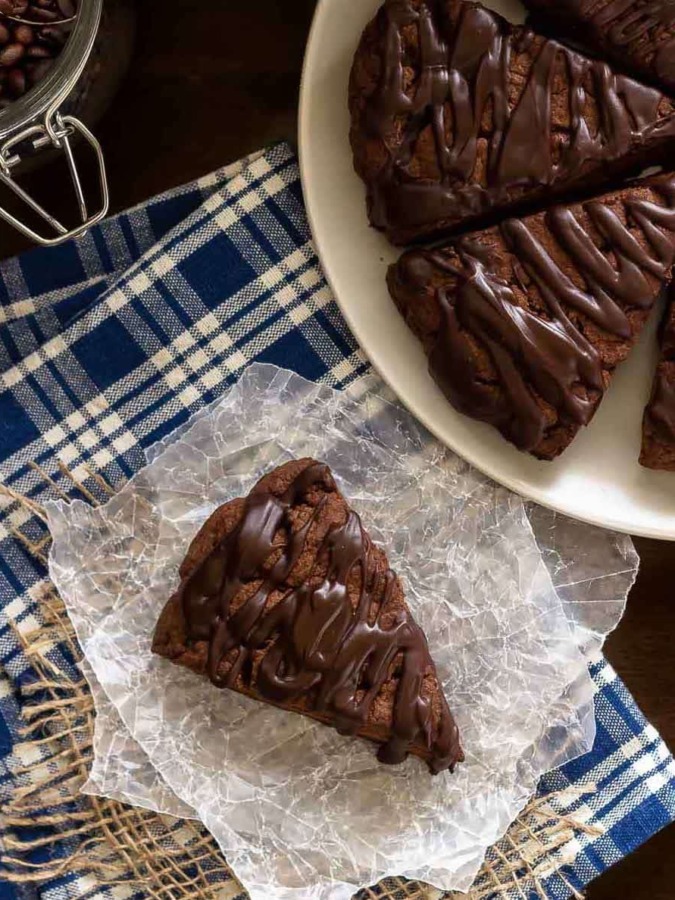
57,131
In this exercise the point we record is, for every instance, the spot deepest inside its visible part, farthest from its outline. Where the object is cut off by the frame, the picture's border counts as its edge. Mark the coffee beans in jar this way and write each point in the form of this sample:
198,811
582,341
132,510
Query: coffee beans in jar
32,34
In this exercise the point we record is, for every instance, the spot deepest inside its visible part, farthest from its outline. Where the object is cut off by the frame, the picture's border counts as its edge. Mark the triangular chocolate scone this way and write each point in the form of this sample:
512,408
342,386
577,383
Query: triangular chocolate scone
284,598
638,34
458,115
525,323
658,431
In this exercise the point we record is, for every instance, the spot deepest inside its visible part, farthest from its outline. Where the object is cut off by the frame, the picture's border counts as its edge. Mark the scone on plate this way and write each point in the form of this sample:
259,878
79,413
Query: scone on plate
458,117
525,323
638,34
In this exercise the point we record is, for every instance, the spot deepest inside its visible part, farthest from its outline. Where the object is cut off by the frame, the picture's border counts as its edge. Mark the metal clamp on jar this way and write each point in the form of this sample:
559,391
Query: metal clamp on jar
43,122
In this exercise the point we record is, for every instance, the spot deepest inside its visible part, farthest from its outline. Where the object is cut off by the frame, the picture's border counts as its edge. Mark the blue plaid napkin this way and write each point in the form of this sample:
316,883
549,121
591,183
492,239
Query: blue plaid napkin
109,343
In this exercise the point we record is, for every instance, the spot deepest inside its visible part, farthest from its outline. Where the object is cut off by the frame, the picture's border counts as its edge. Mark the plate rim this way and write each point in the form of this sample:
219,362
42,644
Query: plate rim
524,489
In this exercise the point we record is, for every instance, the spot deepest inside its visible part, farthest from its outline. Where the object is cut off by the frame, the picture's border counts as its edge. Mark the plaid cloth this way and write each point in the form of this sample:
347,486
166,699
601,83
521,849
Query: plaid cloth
109,343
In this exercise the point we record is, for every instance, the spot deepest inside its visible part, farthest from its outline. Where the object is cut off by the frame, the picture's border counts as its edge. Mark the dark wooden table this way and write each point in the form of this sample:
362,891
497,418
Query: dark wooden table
213,80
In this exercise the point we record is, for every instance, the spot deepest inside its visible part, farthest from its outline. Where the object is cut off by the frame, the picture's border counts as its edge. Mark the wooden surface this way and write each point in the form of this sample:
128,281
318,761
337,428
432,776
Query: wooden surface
212,80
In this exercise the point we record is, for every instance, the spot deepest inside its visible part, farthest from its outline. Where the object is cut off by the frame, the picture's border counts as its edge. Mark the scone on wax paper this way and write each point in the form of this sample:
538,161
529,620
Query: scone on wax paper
284,598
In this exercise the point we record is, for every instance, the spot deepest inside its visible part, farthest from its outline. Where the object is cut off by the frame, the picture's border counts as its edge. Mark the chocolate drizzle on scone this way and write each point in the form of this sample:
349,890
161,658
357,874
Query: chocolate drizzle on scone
524,323
456,113
639,34
296,611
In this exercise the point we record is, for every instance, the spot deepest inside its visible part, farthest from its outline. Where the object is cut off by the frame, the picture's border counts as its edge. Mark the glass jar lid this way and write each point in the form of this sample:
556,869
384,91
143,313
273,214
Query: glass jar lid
34,123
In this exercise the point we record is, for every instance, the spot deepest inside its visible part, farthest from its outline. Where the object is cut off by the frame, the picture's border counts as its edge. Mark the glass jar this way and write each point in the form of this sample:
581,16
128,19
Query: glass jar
59,111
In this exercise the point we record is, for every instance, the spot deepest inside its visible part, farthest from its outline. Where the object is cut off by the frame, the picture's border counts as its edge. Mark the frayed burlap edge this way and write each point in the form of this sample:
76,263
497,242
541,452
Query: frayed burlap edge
104,844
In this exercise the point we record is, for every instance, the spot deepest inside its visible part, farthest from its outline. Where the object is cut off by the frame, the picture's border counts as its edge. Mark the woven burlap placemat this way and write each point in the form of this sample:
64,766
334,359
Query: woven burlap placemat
107,846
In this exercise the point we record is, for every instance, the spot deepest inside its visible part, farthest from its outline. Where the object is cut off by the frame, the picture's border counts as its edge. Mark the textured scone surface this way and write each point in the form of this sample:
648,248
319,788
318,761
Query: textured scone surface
456,114
524,323
284,598
658,432
639,34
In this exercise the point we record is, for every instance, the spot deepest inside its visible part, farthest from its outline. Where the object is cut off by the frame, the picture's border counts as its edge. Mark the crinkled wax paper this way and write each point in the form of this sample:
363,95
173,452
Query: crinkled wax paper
299,811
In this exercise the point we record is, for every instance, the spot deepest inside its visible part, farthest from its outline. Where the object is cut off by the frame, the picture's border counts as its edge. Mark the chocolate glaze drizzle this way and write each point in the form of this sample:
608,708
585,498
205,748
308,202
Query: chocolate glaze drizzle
623,21
543,352
463,67
318,647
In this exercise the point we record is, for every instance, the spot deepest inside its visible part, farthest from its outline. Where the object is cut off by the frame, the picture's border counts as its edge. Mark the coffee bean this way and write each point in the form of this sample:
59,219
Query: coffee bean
16,82
36,71
11,54
52,34
28,48
39,14
39,51
24,35
66,8
13,7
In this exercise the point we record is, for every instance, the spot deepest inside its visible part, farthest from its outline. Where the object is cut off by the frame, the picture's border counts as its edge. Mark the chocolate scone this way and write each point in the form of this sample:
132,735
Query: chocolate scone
638,34
283,597
456,114
658,431
525,323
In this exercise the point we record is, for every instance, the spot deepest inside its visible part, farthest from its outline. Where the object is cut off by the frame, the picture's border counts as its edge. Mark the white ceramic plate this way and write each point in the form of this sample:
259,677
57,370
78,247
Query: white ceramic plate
598,479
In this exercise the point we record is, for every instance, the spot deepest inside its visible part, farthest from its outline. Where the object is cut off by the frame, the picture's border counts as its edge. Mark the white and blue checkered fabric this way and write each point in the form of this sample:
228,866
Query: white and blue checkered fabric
109,343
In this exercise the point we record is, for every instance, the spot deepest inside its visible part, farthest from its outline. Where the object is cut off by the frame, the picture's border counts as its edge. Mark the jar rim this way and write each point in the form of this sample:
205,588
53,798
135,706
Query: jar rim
61,78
